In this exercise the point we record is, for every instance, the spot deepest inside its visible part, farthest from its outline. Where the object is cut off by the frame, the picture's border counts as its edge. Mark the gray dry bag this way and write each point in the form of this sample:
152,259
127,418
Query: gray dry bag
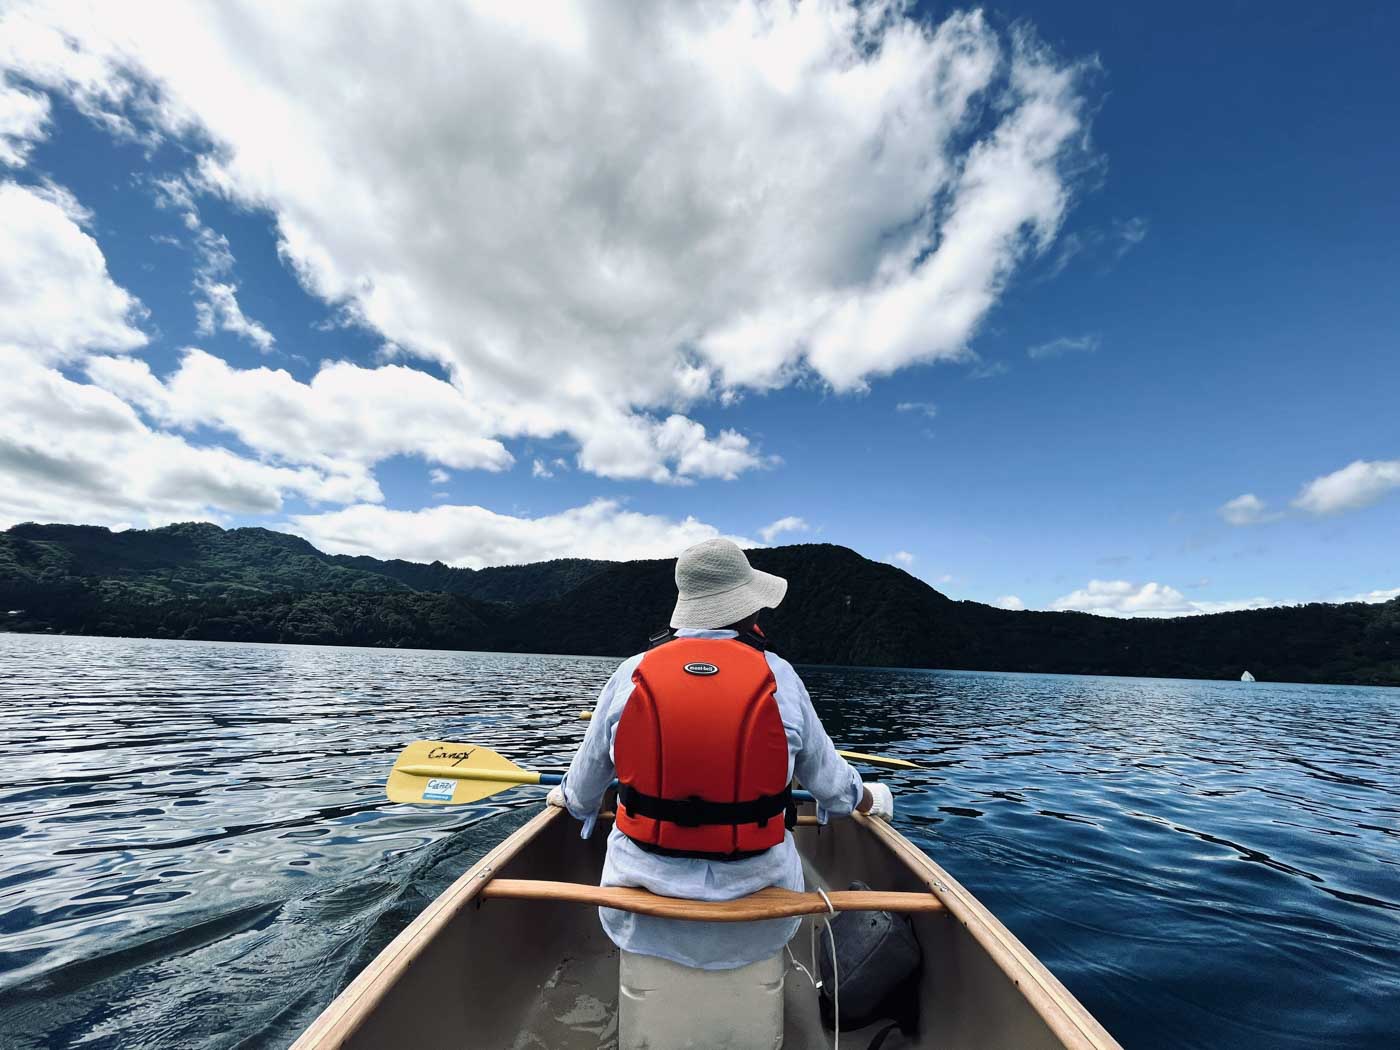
879,963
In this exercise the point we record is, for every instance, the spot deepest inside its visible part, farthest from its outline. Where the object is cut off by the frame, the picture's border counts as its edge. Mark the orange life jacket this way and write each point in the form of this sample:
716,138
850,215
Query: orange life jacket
700,752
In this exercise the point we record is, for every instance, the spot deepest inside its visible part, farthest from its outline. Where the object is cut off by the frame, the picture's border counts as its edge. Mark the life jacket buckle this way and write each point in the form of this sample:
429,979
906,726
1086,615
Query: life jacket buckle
691,822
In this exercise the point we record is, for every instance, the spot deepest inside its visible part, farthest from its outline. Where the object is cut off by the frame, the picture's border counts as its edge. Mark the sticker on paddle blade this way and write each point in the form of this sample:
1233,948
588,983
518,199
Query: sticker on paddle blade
440,790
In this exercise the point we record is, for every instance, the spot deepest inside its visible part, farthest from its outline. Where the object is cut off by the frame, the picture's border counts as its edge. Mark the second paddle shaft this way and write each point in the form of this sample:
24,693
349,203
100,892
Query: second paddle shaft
518,776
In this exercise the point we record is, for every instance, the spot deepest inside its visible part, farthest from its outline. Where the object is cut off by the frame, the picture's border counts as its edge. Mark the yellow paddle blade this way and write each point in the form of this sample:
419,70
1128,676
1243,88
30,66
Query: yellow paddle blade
854,756
440,773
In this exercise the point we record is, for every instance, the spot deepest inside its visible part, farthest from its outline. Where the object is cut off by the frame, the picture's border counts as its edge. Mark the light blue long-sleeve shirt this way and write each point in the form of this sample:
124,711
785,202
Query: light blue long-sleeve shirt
707,945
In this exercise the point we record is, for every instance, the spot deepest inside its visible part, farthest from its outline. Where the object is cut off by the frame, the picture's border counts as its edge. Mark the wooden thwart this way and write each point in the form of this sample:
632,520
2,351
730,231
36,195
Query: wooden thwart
771,903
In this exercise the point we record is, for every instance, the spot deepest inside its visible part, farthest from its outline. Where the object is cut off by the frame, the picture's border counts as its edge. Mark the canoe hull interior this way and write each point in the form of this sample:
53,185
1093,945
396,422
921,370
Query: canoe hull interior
504,973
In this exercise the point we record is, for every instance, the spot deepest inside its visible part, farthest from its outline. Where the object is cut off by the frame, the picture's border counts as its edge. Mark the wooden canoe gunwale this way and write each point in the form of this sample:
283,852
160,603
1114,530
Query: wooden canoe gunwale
1052,1001
1054,1004
340,1020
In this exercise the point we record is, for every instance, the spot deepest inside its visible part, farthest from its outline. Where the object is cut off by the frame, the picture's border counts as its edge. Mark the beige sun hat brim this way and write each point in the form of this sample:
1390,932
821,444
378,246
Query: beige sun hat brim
762,590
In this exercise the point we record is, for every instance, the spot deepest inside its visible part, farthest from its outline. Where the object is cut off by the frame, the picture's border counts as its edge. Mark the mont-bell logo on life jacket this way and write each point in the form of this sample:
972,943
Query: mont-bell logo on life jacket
700,667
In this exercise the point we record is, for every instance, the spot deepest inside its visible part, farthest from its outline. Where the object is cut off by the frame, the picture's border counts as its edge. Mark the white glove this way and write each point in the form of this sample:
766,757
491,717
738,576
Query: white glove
882,804
556,797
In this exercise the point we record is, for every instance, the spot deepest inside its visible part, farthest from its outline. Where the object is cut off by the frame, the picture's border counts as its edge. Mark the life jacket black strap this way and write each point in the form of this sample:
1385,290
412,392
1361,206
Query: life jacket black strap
750,638
753,640
695,812
695,854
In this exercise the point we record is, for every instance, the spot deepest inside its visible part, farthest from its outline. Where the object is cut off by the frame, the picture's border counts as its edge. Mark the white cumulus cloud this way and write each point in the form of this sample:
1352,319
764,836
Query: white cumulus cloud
600,217
1247,509
57,301
1123,598
902,557
1373,597
23,117
1237,604
74,452
1010,601
346,414
774,529
1357,485
475,537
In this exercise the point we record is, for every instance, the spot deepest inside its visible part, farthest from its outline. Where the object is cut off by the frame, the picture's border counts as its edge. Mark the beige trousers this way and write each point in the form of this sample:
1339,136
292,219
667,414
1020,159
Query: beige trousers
662,1005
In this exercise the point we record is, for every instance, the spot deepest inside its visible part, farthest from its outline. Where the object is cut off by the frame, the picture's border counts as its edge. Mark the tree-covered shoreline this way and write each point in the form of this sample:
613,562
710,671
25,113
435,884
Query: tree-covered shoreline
198,581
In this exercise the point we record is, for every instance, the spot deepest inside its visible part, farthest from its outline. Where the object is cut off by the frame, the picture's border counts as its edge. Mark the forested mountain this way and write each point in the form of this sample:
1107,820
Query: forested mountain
199,559
201,581
504,583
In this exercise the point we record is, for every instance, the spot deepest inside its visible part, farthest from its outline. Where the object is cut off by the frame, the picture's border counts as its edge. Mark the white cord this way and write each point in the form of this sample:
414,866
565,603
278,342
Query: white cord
802,969
835,976
811,974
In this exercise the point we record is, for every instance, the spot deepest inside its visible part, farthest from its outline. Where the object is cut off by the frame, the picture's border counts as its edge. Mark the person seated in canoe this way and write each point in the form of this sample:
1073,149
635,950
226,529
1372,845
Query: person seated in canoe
704,733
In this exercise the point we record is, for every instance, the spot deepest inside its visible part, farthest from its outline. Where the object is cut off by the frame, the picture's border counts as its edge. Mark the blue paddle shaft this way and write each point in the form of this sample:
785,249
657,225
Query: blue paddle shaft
558,778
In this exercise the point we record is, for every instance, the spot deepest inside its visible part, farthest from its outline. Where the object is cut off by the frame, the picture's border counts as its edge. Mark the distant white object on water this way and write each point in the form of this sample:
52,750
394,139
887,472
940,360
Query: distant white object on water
1246,677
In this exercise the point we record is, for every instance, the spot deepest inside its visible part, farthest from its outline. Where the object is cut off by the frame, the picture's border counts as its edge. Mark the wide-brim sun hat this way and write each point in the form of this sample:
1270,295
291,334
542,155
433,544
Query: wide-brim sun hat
717,586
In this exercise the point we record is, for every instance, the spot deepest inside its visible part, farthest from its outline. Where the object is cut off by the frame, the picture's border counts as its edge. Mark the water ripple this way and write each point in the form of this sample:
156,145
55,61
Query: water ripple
197,850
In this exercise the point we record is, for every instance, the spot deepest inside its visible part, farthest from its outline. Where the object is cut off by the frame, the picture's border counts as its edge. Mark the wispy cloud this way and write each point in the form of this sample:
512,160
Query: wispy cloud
219,308
438,476
924,408
901,558
1129,233
1109,244
1010,601
216,305
988,370
1083,344
1071,244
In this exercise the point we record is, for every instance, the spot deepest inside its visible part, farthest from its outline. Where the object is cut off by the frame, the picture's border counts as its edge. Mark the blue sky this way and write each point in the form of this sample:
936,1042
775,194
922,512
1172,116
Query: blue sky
578,283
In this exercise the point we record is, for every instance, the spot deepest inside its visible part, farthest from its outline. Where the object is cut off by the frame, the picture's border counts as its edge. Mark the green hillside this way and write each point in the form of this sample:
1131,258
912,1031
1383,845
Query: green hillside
201,581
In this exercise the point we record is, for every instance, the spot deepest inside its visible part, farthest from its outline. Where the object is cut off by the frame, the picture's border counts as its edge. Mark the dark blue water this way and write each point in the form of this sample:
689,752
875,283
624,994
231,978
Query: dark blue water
195,849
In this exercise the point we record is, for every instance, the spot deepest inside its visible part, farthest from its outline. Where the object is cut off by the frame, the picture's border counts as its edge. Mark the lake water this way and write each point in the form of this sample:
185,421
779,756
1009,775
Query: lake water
195,849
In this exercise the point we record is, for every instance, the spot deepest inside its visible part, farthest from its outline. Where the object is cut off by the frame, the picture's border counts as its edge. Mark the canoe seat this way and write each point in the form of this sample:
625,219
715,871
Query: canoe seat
770,903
